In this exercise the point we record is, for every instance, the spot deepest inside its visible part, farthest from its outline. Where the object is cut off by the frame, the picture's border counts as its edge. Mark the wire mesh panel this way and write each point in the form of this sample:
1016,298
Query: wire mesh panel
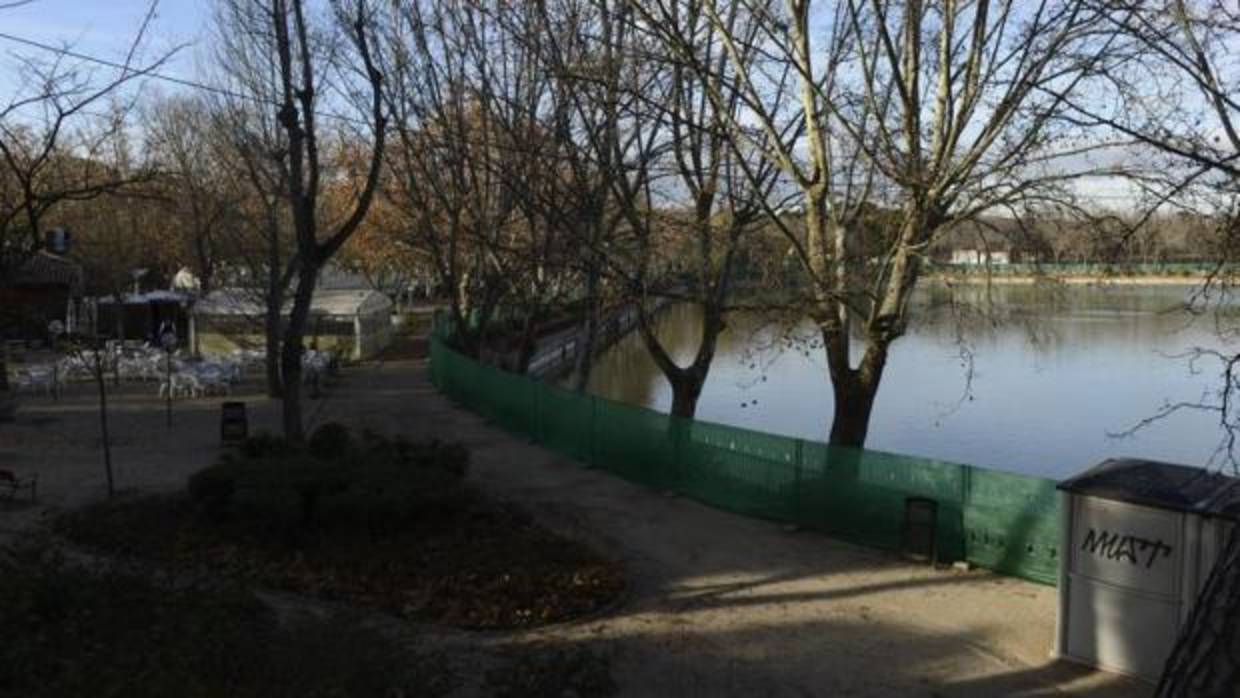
745,471
635,443
1012,524
860,495
565,421
511,400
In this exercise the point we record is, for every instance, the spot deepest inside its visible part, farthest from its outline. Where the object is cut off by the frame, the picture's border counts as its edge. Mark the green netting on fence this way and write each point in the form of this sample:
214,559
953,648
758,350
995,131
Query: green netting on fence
1009,523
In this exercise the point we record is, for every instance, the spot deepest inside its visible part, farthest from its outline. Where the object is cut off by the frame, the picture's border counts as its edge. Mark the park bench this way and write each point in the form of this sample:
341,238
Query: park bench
10,483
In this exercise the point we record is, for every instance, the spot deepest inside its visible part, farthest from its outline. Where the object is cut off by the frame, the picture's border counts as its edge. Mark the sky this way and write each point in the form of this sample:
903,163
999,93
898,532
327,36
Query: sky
106,29
102,28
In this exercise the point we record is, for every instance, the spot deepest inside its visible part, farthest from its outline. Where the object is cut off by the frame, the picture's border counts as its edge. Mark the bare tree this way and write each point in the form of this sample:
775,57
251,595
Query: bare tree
318,241
184,137
542,167
479,168
941,111
585,48
281,74
251,145
690,201
445,168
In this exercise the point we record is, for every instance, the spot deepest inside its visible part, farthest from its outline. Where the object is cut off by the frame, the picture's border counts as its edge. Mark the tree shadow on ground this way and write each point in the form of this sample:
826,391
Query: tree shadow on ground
837,656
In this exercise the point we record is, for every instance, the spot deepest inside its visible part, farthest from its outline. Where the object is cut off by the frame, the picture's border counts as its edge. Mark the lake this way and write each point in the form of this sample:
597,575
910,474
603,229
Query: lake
1054,376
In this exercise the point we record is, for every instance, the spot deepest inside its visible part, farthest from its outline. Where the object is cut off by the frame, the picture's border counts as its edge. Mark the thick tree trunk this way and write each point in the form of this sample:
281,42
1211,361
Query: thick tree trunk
464,337
854,403
855,391
1205,662
585,353
8,405
686,389
105,436
291,352
271,342
528,345
686,382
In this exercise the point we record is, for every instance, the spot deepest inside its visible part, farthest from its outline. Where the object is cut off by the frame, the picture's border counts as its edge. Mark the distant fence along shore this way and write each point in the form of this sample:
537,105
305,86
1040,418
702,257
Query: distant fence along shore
1171,273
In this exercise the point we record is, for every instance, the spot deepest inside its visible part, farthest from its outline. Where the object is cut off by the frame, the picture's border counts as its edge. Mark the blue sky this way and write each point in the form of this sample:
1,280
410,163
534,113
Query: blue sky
106,28
103,28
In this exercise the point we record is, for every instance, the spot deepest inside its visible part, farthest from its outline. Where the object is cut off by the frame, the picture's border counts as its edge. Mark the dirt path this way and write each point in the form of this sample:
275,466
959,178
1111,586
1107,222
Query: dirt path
719,605
726,605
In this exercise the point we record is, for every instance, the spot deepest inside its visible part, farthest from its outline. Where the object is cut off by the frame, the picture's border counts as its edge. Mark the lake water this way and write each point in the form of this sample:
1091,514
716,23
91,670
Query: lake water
1055,374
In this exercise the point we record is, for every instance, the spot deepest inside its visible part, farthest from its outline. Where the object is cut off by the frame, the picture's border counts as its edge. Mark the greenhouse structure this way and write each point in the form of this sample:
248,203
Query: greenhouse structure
355,324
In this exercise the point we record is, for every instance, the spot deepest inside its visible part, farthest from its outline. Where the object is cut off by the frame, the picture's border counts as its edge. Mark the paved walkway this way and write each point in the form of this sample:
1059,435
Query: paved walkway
719,604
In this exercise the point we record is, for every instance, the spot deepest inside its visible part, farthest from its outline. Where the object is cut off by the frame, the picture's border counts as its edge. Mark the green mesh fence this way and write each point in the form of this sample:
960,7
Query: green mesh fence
1005,522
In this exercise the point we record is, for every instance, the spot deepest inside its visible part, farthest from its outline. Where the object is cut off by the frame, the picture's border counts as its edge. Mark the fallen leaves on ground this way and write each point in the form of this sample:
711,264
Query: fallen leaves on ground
484,565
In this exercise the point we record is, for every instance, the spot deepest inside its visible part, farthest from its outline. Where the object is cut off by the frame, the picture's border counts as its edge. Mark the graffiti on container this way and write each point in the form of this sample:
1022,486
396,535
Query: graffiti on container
1133,549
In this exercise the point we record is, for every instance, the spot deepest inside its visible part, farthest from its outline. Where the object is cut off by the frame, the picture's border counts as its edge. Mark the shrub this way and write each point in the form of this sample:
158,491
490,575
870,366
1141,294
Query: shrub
330,441
376,481
378,450
213,487
264,444
312,480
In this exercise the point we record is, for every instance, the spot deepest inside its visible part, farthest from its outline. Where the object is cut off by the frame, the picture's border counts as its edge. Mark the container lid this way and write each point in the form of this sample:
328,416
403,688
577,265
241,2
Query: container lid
1182,488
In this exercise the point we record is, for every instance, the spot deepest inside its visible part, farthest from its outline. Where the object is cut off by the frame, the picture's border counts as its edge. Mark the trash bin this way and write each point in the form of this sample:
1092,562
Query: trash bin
1139,539
921,517
234,423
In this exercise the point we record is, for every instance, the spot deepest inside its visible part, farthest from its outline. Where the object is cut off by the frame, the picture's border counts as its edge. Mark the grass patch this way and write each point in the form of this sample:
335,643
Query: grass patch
481,566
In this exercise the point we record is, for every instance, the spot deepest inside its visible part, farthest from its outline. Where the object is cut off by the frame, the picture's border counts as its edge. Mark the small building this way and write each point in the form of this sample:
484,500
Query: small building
354,324
981,257
44,288
139,316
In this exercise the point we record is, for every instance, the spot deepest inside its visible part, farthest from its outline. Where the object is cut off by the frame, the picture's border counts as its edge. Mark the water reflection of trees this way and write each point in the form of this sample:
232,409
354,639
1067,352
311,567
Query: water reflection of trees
1043,320
1052,318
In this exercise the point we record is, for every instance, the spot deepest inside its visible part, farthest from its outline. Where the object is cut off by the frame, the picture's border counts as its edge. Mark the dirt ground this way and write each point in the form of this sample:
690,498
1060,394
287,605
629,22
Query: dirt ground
719,604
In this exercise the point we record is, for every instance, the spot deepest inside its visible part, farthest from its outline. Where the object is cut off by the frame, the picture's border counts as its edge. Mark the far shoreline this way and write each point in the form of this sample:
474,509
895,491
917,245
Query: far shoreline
1069,279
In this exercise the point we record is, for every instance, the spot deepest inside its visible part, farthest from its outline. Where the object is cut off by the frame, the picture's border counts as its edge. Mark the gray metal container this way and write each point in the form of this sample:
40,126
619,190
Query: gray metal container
1139,539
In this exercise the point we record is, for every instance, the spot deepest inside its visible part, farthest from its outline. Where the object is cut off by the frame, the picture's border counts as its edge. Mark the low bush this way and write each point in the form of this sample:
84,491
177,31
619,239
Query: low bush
213,488
331,441
374,481
264,444
450,457
393,525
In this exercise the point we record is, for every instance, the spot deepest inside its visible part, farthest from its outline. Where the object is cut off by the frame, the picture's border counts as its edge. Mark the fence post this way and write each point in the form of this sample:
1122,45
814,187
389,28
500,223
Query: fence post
540,424
966,498
593,431
797,491
678,427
